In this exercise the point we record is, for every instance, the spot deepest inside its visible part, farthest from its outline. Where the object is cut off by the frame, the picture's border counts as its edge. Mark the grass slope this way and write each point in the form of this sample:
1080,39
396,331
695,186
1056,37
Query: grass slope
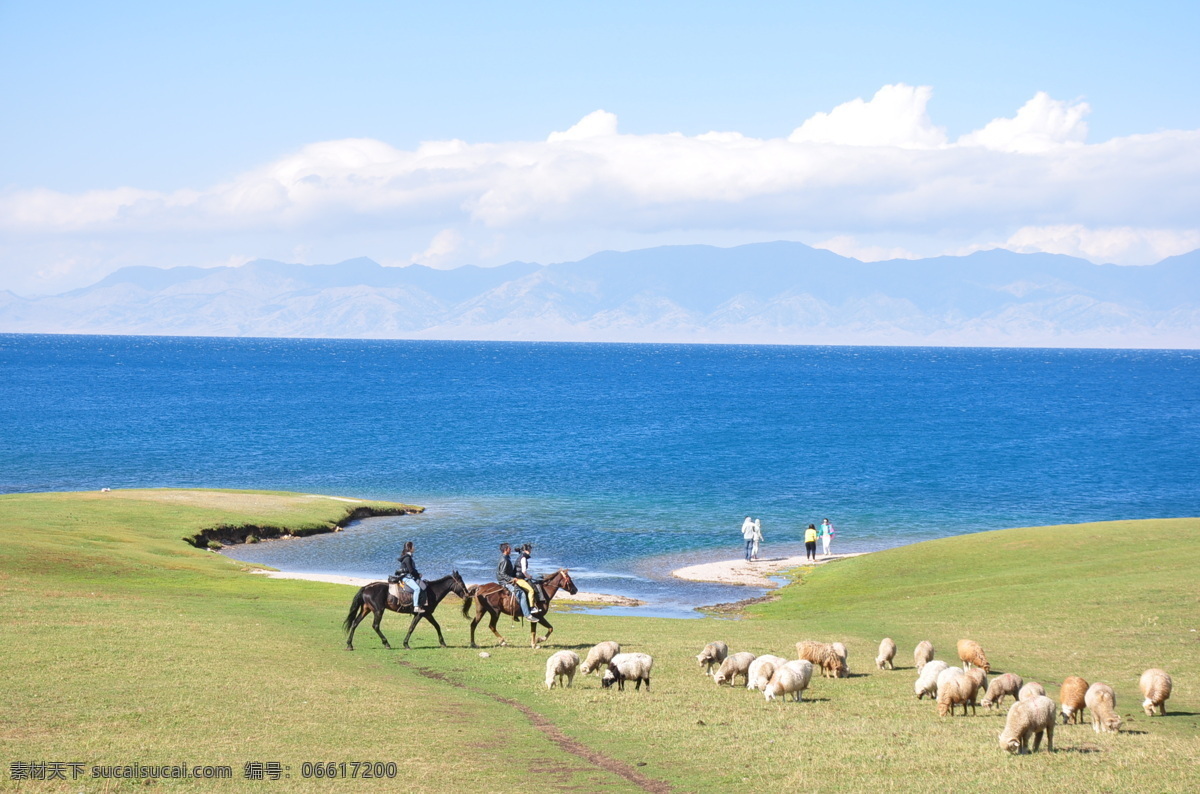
121,643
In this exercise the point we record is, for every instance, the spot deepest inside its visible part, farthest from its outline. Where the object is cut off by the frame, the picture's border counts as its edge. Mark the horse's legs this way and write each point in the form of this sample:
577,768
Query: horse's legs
479,611
362,613
429,616
495,618
549,631
416,619
375,625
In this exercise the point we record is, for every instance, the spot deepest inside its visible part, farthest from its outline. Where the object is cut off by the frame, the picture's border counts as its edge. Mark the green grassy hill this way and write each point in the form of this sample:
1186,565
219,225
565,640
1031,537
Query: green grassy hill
121,643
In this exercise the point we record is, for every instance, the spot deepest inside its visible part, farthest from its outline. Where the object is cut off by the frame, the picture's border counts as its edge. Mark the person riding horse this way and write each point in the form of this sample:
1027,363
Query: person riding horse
506,576
410,577
524,577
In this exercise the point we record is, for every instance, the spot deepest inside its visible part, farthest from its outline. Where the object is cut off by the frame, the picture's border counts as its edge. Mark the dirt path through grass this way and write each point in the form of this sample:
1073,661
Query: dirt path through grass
555,734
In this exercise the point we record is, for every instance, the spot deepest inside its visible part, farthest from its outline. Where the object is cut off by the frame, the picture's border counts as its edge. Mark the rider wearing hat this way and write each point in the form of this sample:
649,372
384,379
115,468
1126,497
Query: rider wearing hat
506,576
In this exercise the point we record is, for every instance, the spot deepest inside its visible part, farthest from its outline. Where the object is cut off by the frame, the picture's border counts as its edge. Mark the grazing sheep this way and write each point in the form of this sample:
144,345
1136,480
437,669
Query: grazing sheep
561,666
713,654
980,679
923,654
927,680
1008,684
825,656
887,652
761,670
972,655
599,656
628,667
792,677
1101,699
735,665
1029,717
946,674
1071,696
1156,688
1030,691
956,688
840,650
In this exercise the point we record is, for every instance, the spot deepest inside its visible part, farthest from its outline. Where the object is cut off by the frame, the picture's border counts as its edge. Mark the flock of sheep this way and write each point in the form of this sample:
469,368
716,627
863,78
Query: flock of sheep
1032,713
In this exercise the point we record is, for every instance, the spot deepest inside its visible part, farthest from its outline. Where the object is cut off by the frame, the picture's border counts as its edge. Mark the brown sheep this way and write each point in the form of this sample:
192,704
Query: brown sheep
1008,684
1101,699
957,689
1156,688
972,655
923,654
1071,696
981,682
823,655
887,652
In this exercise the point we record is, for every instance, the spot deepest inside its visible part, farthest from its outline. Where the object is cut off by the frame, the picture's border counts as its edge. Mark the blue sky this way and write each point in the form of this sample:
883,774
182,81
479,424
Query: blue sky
170,101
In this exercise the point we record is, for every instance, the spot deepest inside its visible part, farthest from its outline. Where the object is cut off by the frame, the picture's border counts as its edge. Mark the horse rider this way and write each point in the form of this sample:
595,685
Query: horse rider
526,581
410,577
506,576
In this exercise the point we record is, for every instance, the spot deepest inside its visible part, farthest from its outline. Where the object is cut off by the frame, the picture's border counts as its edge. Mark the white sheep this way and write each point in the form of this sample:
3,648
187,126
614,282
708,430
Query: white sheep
792,677
1156,688
923,654
628,667
844,655
1008,684
887,652
599,656
1029,717
927,680
713,654
1031,690
1102,701
734,665
561,666
761,670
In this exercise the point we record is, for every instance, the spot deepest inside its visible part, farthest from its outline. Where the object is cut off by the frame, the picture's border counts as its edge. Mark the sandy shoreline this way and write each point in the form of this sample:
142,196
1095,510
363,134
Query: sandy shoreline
750,574
580,597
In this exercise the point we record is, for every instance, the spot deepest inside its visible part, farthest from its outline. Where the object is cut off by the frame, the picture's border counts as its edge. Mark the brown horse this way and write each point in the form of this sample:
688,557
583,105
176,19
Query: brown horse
493,600
373,598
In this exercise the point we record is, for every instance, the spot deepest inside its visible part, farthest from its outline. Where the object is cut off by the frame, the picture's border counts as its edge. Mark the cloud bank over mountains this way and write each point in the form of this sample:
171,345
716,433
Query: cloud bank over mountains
855,179
783,292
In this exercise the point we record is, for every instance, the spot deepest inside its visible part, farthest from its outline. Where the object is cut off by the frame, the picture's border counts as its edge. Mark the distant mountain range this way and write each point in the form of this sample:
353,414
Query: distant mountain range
764,293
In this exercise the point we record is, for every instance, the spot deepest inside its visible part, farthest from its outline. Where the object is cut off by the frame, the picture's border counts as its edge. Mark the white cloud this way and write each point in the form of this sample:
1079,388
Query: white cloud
895,116
441,249
847,245
597,124
863,170
1120,245
1040,125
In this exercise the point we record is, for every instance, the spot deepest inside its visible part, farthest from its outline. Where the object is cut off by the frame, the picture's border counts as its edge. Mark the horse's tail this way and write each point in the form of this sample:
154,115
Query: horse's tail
470,599
355,607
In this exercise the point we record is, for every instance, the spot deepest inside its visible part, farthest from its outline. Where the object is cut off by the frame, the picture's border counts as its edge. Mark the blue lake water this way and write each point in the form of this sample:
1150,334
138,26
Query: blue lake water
619,461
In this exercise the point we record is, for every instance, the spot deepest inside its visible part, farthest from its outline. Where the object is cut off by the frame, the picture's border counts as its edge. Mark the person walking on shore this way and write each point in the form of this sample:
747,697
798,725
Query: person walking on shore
748,535
810,543
758,536
826,536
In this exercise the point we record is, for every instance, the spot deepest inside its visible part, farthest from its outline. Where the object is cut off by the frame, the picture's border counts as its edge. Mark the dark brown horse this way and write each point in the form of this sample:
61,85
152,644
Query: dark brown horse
373,598
494,600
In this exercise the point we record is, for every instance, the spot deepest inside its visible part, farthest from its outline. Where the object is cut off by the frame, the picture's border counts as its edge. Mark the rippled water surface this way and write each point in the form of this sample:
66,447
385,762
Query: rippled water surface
618,461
